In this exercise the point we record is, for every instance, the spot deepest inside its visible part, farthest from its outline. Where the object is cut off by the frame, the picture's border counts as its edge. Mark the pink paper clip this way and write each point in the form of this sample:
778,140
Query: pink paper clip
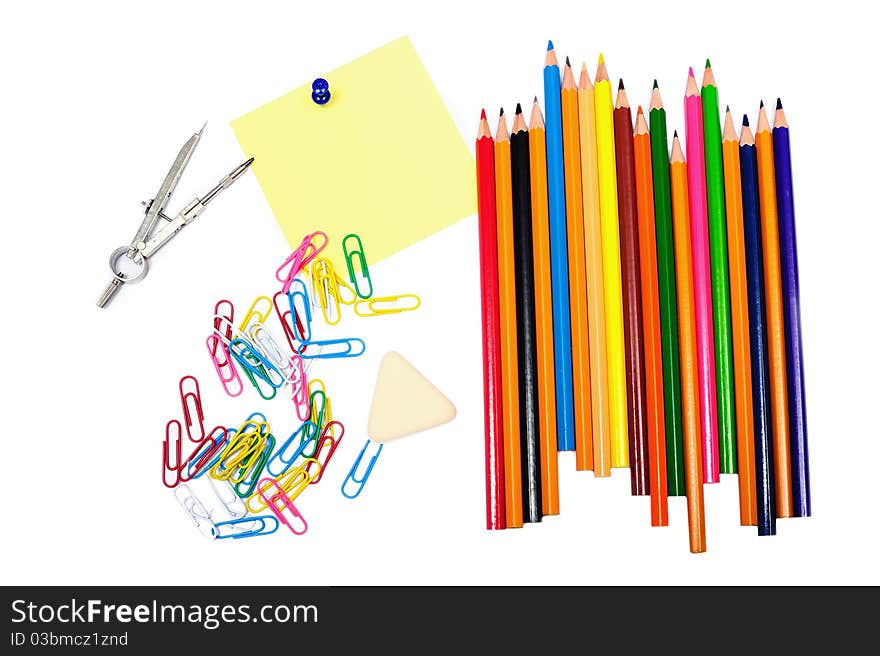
223,365
191,400
300,258
278,502
221,316
173,432
326,438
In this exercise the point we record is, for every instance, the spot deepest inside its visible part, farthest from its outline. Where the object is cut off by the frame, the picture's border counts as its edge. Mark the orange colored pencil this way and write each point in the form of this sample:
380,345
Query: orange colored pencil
543,313
595,277
739,318
507,306
690,394
651,323
775,322
577,273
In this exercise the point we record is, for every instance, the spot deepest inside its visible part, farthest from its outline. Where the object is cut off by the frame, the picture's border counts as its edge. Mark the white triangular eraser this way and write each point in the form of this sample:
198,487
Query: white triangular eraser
405,402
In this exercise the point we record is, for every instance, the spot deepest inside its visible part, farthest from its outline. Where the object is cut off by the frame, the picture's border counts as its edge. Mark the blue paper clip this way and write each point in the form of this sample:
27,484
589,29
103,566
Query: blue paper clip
254,361
351,347
363,480
281,453
305,316
211,450
260,526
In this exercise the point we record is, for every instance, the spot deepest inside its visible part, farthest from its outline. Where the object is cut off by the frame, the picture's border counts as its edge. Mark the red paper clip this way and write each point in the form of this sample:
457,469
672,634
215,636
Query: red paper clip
198,462
191,400
325,438
221,314
278,502
173,432
286,323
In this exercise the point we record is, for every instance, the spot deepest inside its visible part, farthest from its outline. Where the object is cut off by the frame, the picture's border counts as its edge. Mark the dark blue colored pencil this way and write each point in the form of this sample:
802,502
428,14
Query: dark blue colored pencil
764,477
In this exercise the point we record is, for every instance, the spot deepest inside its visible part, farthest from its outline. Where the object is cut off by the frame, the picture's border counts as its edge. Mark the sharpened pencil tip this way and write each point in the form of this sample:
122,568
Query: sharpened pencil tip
502,112
567,62
727,110
778,103
549,46
691,71
620,85
483,113
536,99
656,86
708,65
762,105
601,59
518,109
249,162
675,134
746,120
640,112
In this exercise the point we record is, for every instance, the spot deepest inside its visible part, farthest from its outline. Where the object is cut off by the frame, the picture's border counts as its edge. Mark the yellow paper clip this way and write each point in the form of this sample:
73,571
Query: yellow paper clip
387,305
292,483
330,290
254,311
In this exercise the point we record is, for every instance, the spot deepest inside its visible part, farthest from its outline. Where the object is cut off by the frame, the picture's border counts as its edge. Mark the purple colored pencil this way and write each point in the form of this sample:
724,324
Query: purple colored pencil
794,357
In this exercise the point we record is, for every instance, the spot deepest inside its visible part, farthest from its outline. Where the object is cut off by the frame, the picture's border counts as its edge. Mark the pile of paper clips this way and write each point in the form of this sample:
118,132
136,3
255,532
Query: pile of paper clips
248,474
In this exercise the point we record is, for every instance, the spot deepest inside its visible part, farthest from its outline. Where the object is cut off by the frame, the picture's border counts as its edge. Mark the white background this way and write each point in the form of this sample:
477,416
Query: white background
97,99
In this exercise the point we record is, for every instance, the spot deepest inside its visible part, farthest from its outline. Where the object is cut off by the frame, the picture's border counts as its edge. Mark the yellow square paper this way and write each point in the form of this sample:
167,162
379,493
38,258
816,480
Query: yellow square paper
382,159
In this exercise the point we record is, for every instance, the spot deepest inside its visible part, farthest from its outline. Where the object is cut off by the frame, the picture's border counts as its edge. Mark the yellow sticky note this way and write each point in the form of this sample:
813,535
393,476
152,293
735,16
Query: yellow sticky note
382,159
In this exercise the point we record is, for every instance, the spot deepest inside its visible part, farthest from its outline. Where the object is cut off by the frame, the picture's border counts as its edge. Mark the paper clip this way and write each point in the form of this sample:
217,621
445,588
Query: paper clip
173,433
196,397
287,323
265,395
353,255
349,347
265,343
252,360
226,371
222,314
325,289
254,311
319,384
208,452
293,482
278,502
386,305
245,487
300,258
282,456
241,453
225,493
363,480
328,436
302,320
195,509
299,388
246,527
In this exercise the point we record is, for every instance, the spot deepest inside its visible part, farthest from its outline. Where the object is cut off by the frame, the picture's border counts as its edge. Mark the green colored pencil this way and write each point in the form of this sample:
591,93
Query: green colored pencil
719,273
668,298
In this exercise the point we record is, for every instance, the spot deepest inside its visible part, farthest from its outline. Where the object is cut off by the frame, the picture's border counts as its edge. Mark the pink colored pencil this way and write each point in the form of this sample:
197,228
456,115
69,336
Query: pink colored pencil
696,173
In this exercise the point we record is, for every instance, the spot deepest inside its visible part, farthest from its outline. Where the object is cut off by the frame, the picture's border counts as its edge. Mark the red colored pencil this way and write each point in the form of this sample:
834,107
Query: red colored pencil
485,150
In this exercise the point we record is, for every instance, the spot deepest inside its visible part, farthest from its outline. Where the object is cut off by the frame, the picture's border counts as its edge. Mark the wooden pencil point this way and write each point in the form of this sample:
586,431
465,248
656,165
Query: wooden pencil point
746,120
708,65
549,45
567,61
762,105
779,120
585,82
519,122
518,109
779,103
483,113
622,101
602,71
655,84
620,85
641,123
691,89
483,131
656,100
502,134
677,153
502,112
550,59
708,77
536,120
746,138
729,132
763,123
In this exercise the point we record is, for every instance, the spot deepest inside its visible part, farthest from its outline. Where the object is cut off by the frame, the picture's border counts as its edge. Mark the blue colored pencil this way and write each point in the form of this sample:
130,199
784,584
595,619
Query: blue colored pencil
765,493
558,253
791,308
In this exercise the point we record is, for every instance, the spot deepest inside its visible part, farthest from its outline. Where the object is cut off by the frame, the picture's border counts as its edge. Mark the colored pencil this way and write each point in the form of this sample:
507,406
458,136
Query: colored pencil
668,297
775,318
696,171
525,316
651,322
558,253
724,383
543,313
507,307
765,492
632,293
577,273
485,151
739,321
595,277
687,333
791,306
607,173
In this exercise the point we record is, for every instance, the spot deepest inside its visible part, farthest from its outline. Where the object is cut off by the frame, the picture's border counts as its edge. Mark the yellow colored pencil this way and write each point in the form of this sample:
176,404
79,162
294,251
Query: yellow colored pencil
607,175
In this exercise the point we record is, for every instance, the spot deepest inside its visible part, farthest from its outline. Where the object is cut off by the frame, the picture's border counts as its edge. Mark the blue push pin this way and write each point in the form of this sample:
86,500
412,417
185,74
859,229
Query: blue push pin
320,91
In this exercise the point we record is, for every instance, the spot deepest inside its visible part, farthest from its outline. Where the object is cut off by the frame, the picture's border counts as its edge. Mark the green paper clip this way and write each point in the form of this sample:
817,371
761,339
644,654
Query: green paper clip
358,254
